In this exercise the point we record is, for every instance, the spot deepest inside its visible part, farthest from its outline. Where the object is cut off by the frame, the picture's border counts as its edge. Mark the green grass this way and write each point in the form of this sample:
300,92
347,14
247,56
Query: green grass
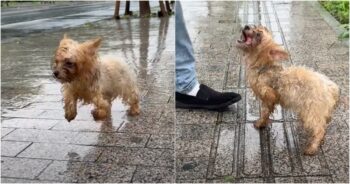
229,179
340,11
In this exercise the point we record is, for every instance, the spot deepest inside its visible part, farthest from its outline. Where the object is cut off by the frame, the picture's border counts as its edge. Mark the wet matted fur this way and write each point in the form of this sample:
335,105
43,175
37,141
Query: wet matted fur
86,77
312,95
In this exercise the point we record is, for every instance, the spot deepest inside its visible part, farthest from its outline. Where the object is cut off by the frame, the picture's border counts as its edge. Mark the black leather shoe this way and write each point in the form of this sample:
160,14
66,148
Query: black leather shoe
206,98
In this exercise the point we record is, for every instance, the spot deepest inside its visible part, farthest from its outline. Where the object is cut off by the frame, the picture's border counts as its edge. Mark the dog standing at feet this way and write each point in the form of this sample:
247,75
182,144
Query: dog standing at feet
87,78
312,95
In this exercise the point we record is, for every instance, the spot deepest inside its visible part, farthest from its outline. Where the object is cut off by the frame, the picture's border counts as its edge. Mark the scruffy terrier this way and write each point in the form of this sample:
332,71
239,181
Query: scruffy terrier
310,94
87,78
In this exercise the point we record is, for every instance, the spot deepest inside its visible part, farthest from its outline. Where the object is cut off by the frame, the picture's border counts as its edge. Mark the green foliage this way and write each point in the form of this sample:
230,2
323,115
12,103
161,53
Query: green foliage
229,179
344,34
340,11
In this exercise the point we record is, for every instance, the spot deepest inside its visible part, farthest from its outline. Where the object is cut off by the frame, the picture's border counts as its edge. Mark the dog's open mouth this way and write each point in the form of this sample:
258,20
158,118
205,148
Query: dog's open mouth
245,38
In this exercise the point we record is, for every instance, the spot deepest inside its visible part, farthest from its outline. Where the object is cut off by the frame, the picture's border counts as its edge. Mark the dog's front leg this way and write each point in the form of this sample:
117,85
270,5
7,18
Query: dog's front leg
102,108
269,99
266,110
70,106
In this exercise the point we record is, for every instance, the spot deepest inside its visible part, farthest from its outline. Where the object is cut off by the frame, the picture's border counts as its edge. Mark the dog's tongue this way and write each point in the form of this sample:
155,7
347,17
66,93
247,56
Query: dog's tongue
249,40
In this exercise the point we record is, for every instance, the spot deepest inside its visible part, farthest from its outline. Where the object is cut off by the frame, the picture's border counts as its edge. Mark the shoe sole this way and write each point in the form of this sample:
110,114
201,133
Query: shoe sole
209,107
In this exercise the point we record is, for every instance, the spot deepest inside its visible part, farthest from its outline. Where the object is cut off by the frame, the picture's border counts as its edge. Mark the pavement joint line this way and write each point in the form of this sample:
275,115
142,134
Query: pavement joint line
213,152
23,149
93,145
40,9
148,139
2,136
87,161
282,33
37,176
133,175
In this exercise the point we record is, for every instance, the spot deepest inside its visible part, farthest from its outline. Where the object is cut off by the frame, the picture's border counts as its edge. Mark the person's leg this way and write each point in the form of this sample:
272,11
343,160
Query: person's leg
186,78
189,93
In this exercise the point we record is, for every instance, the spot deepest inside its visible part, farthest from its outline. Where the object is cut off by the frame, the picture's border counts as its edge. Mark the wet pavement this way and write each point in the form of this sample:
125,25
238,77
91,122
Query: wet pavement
224,146
39,145
18,22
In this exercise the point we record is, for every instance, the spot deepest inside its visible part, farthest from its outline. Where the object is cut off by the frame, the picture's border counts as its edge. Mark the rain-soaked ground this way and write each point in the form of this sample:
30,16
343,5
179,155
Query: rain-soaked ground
32,18
39,145
224,147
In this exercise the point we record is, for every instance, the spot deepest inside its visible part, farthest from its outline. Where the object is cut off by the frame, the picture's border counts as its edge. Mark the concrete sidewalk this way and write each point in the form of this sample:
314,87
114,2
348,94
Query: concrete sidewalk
39,145
225,147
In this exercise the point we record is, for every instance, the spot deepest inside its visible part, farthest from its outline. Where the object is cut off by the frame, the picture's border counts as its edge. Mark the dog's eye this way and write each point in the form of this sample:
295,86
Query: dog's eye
68,63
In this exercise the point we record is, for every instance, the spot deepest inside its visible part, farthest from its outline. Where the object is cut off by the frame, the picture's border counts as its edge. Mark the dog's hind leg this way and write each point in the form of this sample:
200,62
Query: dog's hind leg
317,125
269,99
134,103
102,108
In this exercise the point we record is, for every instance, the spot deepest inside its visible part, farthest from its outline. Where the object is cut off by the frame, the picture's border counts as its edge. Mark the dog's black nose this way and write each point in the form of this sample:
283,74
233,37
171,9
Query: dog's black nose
56,73
246,27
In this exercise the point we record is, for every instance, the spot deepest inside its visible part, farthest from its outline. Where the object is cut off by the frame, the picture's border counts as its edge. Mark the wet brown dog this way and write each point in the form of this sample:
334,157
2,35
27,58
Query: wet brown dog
310,94
87,78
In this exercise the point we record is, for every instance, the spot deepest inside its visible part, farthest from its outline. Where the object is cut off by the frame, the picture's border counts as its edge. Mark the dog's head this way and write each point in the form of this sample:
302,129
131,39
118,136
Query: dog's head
258,40
73,59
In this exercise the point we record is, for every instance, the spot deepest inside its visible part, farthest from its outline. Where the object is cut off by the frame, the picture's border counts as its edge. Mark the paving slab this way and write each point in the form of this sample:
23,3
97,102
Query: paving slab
41,146
237,151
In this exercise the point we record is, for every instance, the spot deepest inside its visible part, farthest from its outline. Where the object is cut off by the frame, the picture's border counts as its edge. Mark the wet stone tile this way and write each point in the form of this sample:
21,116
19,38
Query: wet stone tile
319,179
224,160
279,150
195,117
235,113
81,172
138,156
51,89
12,148
252,151
34,135
88,126
193,148
195,132
191,168
122,139
252,106
22,167
250,180
61,152
191,181
19,180
148,127
5,131
52,114
161,141
286,179
28,123
23,113
310,164
154,174
47,105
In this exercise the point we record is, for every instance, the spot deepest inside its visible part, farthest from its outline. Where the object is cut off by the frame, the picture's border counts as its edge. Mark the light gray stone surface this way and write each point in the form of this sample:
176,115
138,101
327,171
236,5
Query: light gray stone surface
238,152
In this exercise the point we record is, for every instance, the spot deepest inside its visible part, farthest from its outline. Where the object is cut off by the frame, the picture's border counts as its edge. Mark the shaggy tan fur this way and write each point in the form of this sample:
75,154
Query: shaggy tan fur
87,78
310,94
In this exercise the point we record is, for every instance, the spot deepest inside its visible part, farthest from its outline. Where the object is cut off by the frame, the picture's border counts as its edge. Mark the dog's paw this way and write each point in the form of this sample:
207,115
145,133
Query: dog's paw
70,116
261,124
310,150
132,112
99,114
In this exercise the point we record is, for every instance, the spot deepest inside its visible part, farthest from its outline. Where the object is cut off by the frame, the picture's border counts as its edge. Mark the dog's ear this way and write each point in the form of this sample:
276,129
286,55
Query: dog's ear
92,45
278,54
